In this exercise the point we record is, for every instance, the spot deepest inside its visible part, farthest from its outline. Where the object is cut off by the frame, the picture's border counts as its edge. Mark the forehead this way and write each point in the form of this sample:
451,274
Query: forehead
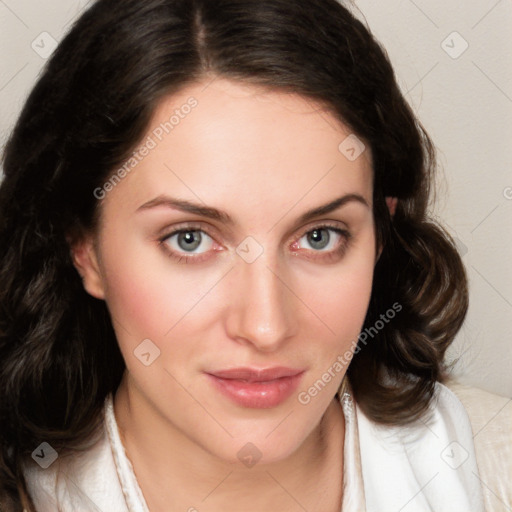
231,143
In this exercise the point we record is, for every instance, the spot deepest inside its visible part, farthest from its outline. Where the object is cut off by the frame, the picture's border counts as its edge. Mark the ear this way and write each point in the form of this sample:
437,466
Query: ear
85,260
391,203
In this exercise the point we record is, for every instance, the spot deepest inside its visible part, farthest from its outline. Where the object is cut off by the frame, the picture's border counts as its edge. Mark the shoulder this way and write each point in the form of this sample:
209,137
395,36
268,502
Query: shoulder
80,480
430,465
491,422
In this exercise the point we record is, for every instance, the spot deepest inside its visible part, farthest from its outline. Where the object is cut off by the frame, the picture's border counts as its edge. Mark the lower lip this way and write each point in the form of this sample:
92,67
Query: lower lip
257,395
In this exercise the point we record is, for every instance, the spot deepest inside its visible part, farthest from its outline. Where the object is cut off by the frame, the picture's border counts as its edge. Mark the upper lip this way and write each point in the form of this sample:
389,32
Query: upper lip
257,374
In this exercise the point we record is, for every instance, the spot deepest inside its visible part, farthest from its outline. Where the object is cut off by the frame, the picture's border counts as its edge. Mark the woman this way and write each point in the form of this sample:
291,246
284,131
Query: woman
220,289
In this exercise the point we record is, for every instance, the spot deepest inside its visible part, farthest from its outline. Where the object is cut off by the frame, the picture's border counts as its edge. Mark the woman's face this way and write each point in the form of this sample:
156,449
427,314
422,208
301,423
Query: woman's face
263,275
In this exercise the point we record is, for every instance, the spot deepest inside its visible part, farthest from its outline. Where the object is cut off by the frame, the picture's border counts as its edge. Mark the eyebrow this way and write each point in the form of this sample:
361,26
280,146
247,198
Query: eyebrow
221,216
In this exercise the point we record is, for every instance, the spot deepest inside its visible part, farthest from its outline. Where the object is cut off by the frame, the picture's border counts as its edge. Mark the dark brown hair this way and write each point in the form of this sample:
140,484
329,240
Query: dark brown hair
88,111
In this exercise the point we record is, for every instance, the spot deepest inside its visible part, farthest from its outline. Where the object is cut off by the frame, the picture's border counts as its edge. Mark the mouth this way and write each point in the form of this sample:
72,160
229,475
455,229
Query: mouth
257,388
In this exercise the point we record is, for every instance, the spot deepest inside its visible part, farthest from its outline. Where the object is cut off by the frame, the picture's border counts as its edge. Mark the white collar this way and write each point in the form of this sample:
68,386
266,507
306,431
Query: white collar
429,466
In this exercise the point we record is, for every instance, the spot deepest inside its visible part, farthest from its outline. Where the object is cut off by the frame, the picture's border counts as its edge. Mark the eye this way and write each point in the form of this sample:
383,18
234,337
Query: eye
326,241
193,244
322,238
181,243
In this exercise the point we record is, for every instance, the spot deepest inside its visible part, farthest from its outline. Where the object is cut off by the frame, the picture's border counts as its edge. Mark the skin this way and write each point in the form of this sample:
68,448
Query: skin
265,158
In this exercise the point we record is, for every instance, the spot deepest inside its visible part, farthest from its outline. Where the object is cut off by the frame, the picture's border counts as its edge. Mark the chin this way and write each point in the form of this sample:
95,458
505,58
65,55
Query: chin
250,449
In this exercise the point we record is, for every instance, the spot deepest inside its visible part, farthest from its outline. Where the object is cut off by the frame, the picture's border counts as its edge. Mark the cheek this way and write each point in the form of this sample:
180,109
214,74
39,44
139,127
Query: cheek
151,297
342,310
346,297
340,296
142,301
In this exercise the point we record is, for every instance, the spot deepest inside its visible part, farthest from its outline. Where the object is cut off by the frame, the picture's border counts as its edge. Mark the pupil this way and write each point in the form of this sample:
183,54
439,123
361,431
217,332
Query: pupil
317,240
191,238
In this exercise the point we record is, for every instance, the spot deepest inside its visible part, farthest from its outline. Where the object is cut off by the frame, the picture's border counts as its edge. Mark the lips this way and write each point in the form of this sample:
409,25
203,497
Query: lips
257,388
257,375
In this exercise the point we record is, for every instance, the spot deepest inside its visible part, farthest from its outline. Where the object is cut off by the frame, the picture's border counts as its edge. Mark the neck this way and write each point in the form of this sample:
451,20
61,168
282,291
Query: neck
192,479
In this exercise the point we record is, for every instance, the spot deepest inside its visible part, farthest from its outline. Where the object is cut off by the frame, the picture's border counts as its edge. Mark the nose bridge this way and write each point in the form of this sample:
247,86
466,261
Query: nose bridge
261,309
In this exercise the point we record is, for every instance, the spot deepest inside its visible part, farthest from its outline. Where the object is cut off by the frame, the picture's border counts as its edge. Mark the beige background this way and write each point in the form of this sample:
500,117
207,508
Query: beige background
454,63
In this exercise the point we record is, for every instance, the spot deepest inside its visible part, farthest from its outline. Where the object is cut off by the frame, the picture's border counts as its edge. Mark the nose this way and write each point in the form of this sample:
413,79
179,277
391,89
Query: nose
263,308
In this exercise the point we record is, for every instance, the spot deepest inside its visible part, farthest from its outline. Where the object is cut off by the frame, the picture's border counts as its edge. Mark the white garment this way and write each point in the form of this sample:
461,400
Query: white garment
428,468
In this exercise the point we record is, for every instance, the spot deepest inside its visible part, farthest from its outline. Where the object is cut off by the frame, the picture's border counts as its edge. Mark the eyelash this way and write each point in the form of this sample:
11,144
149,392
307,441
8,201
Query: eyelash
329,256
